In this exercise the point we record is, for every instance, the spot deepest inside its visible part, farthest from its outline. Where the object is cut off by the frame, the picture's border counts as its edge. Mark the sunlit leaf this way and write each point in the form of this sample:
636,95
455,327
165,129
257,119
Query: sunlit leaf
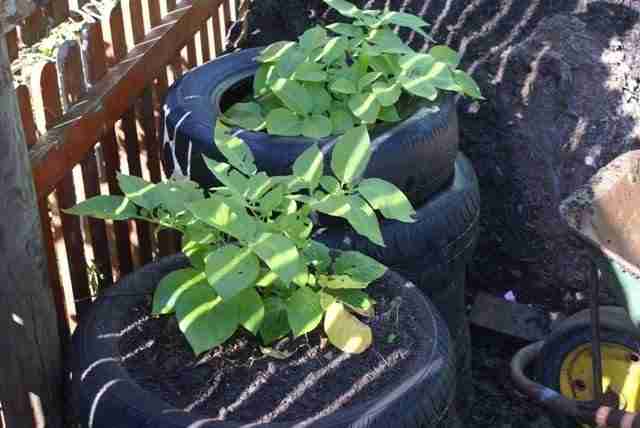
387,94
343,7
304,311
310,72
234,150
293,95
250,310
388,41
204,318
356,300
351,154
365,106
222,214
346,29
345,331
334,50
313,38
231,269
341,282
445,54
368,79
317,254
468,85
105,207
279,253
389,114
387,198
343,86
341,120
275,51
309,166
260,79
172,286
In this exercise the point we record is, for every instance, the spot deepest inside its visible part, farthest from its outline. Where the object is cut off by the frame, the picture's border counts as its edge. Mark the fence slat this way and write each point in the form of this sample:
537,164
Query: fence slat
26,112
204,43
217,32
75,133
58,11
12,44
114,30
34,28
70,68
91,37
133,143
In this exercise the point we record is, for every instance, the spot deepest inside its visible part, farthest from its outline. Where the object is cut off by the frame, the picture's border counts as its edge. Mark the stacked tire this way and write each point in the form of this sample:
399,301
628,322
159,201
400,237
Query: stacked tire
419,155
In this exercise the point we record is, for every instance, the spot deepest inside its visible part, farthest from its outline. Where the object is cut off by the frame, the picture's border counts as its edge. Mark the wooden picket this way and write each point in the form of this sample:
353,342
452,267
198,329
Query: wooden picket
128,141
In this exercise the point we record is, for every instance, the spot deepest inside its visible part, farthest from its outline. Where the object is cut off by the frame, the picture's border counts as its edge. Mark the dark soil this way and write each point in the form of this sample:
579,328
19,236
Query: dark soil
237,382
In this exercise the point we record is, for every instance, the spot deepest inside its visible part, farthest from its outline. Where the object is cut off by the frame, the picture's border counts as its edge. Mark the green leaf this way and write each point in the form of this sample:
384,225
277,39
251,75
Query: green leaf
175,195
346,30
405,20
358,266
387,94
389,114
387,198
260,79
313,38
295,225
172,286
289,62
231,269
330,184
317,126
341,282
356,300
379,63
284,122
225,216
351,154
275,323
310,72
343,7
441,77
368,79
304,311
140,191
279,253
309,165
204,318
364,221
196,237
293,95
343,86
365,106
388,41
258,185
420,87
275,51
318,255
105,207
251,310
320,96
271,200
418,63
245,115
467,84
345,331
333,50
234,150
341,120
229,177
446,55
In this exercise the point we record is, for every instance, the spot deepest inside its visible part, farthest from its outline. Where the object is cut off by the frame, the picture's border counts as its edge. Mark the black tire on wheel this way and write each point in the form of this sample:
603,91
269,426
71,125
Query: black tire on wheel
559,345
417,154
105,396
433,253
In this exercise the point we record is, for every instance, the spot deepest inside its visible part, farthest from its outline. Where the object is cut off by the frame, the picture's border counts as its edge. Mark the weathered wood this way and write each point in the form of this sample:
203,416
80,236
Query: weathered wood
217,33
91,37
58,11
12,44
70,66
133,143
34,28
26,113
114,30
67,143
12,12
30,364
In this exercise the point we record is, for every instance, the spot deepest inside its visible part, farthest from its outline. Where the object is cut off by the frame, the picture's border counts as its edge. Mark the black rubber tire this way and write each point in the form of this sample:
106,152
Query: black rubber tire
433,252
556,349
105,396
417,155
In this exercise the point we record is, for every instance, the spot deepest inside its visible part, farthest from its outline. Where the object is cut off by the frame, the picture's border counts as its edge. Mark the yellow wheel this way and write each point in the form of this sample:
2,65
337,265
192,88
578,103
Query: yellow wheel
566,366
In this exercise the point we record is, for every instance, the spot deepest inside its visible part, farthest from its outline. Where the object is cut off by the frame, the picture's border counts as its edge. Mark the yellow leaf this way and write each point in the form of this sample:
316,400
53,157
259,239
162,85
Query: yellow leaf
345,331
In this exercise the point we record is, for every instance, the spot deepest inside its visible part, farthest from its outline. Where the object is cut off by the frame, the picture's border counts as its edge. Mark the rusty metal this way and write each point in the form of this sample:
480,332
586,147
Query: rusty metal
587,412
595,335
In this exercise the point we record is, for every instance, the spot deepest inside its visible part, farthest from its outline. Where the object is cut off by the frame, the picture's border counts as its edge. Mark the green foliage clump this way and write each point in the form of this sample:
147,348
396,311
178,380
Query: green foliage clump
253,263
346,75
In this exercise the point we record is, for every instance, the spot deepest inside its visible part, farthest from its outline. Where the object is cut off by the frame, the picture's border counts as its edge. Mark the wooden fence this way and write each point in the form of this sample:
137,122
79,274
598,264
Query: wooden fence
95,110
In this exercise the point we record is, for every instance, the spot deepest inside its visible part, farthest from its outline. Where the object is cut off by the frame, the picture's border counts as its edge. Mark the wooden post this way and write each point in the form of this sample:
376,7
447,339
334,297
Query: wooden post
30,361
